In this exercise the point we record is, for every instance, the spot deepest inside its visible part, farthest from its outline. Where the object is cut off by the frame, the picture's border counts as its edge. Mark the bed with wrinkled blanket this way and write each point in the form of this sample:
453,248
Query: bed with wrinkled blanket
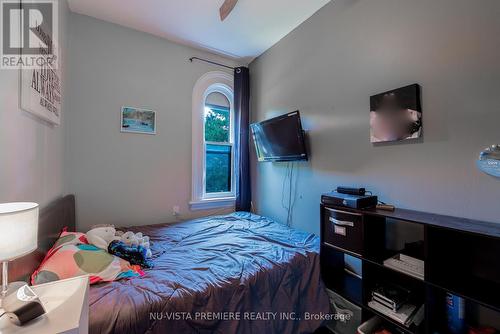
239,273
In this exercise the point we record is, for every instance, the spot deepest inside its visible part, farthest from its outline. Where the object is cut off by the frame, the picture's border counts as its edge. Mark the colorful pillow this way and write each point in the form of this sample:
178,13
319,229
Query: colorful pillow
69,238
72,256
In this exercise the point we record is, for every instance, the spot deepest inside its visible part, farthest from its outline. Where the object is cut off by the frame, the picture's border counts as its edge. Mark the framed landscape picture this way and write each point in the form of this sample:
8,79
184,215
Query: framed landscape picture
138,120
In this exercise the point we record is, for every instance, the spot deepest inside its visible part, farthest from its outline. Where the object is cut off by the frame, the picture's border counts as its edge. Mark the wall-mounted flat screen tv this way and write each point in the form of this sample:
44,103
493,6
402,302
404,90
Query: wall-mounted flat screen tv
280,138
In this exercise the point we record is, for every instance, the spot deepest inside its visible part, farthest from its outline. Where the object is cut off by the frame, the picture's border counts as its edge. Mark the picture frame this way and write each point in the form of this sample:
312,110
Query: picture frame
137,120
396,115
40,83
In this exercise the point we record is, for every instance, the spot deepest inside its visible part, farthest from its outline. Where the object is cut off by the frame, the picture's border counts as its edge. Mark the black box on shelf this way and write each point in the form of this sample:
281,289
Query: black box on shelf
349,201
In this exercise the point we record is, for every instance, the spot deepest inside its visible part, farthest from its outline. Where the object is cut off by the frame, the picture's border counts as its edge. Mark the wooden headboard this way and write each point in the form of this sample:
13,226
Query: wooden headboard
53,218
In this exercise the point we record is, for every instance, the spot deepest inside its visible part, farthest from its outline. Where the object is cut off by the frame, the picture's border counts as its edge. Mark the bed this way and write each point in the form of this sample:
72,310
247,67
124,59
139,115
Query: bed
238,273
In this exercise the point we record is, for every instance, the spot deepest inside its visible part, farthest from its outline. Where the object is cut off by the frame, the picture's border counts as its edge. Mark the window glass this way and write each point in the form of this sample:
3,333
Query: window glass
218,168
217,118
218,147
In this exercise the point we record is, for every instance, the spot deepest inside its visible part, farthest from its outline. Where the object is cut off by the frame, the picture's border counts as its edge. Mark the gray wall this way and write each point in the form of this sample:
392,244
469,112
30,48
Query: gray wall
123,178
31,151
351,49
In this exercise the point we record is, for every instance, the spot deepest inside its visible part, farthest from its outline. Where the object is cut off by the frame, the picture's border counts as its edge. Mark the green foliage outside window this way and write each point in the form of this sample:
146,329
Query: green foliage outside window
218,169
217,124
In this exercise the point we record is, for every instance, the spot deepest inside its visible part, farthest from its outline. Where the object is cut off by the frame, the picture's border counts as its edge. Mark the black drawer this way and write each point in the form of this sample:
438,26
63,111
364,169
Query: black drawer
344,230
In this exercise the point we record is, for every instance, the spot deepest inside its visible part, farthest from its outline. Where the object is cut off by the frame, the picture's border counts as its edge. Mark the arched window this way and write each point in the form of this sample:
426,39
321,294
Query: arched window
213,142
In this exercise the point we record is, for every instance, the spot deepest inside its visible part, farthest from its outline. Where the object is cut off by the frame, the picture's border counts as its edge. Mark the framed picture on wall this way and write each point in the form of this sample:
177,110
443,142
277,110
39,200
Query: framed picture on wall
396,115
41,78
138,120
41,93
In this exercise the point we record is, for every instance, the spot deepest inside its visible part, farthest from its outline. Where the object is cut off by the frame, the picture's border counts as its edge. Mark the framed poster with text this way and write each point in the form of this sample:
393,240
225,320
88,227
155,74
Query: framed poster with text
41,91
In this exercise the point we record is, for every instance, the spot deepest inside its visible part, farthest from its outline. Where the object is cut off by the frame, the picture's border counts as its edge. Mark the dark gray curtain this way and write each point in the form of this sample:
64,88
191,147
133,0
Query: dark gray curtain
242,127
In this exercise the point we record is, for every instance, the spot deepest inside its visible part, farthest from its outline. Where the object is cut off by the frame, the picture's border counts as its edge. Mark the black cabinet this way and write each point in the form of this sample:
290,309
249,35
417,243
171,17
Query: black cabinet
461,257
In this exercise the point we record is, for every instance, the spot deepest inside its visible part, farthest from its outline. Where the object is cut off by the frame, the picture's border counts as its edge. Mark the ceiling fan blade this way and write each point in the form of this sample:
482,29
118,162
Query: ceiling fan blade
226,8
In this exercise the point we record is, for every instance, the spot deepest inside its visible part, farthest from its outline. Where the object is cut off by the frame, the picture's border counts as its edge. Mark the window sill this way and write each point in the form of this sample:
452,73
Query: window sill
212,203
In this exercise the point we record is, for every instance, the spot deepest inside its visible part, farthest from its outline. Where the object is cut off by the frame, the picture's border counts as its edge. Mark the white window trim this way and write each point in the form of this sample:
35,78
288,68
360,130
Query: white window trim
215,81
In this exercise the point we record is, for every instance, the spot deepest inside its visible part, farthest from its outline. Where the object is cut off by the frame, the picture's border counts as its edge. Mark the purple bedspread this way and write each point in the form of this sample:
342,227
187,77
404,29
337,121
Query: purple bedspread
239,273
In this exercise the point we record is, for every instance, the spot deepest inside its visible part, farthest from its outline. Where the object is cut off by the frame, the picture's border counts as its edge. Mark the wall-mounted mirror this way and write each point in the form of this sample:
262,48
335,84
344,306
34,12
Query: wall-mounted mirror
489,160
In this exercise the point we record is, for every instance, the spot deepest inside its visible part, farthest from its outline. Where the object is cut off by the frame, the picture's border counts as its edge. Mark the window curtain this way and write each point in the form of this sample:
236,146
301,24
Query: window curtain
242,129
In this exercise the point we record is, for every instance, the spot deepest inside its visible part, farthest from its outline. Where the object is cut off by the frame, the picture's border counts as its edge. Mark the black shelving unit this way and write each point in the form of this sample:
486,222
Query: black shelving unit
462,257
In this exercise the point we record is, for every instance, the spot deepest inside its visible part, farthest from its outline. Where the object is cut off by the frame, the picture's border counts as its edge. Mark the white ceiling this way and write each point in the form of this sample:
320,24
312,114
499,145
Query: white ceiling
252,28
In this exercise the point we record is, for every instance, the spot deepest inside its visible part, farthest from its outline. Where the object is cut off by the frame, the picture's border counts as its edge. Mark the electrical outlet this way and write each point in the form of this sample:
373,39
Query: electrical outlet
176,210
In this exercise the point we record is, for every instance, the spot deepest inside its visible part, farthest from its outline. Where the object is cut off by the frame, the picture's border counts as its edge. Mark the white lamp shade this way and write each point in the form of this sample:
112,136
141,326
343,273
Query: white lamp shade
18,229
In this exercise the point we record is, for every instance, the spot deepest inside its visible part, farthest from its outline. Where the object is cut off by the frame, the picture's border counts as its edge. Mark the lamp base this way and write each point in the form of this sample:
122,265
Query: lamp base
14,286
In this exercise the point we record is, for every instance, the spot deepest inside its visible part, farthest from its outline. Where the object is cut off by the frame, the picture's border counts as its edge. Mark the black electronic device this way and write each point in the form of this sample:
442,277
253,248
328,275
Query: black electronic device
22,305
391,295
351,201
280,138
352,191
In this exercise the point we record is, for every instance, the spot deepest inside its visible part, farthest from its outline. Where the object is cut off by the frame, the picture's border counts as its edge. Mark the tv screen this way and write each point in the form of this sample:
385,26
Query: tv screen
280,138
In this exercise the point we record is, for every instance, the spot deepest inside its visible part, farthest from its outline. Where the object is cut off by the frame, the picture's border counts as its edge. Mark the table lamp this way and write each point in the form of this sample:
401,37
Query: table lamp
18,234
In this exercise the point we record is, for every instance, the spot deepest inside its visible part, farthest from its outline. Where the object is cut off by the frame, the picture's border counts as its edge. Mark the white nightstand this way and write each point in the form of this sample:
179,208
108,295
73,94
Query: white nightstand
67,309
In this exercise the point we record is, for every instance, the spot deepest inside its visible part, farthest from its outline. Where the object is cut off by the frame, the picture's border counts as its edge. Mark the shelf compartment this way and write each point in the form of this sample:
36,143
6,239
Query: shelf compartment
375,275
476,314
399,238
465,264
337,278
342,307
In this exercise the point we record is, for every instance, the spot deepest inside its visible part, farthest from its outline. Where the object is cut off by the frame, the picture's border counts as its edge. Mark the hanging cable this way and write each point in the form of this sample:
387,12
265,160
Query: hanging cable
288,181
